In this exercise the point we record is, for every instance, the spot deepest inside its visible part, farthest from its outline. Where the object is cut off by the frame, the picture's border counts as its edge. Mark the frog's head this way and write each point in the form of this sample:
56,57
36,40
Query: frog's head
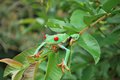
55,39
75,37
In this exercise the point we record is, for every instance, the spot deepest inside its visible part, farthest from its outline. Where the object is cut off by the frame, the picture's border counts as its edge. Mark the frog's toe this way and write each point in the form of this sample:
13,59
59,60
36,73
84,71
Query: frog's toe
63,66
66,67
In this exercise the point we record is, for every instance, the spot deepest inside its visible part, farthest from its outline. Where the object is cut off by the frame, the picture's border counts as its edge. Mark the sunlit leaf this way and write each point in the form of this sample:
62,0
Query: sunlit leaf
12,63
22,58
77,19
89,43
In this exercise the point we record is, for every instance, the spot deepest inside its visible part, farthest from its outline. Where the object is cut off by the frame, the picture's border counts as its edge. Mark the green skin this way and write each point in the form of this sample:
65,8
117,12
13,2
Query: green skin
62,39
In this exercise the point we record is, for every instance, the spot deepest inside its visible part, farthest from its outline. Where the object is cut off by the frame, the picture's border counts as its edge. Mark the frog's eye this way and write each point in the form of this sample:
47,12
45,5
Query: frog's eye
56,38
44,36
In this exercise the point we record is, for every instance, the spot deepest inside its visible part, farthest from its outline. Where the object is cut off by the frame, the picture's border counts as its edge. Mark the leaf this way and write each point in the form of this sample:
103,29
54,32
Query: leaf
40,21
34,23
43,66
77,19
80,58
109,4
54,23
60,26
34,26
88,73
27,21
110,39
104,68
60,23
57,30
115,19
22,58
53,71
30,72
18,75
89,43
31,20
90,18
12,63
69,76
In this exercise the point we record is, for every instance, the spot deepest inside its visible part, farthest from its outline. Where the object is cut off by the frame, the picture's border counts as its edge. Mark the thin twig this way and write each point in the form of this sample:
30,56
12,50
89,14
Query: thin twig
94,23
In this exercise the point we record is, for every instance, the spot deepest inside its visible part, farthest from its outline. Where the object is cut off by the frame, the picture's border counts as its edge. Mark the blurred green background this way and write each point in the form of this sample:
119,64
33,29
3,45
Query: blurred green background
22,26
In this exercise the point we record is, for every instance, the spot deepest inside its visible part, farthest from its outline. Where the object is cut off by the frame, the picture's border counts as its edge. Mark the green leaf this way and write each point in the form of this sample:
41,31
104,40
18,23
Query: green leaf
53,71
56,25
27,21
90,18
22,58
31,20
88,73
80,58
33,26
69,76
89,43
18,75
60,26
57,30
77,19
12,63
105,66
110,4
110,39
40,21
115,19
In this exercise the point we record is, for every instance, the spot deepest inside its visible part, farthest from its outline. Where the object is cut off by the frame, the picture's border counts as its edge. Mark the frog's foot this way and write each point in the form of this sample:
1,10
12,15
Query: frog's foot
63,66
54,48
30,59
38,54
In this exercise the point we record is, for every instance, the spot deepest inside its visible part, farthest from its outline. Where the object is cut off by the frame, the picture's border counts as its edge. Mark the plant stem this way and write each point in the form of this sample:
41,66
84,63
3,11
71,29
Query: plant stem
94,23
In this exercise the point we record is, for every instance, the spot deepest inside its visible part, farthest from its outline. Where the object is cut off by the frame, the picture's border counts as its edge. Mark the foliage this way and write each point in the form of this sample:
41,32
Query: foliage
23,24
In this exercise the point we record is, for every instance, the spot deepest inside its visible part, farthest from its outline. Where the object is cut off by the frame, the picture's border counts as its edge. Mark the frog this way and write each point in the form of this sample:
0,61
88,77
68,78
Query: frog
61,41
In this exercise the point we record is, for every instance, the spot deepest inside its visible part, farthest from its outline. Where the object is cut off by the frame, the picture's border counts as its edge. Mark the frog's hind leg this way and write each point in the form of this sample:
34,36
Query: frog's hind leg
63,65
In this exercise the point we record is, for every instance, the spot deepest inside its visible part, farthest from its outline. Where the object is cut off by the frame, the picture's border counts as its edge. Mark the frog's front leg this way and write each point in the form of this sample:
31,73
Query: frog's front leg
37,53
63,65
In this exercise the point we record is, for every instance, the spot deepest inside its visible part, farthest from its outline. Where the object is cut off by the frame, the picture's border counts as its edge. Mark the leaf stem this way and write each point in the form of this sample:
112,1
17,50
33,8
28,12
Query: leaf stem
94,23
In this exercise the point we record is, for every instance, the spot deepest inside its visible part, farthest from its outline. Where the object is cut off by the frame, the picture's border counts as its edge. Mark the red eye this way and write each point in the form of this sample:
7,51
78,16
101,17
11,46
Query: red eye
44,36
56,38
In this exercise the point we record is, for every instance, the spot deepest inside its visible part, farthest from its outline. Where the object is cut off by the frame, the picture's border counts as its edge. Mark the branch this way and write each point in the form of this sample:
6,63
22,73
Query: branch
94,23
